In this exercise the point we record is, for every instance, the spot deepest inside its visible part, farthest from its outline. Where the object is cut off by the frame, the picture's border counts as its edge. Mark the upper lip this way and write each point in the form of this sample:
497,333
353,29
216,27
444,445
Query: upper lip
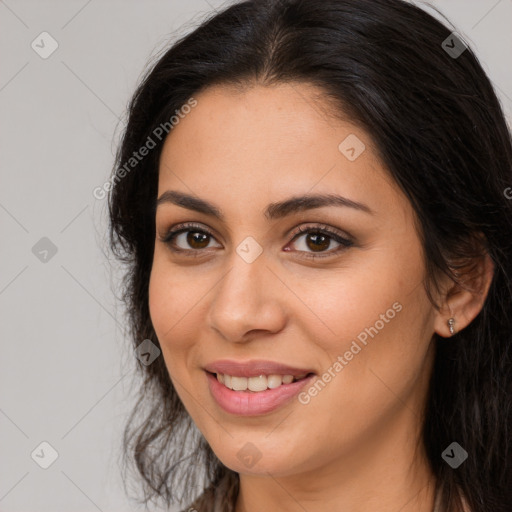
254,368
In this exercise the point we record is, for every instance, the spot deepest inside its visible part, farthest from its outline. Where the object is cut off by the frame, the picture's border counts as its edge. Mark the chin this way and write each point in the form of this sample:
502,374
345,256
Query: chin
261,458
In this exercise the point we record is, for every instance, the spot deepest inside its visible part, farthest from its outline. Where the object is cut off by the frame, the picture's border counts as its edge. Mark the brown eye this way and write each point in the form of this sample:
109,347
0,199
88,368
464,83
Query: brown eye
188,238
315,242
197,239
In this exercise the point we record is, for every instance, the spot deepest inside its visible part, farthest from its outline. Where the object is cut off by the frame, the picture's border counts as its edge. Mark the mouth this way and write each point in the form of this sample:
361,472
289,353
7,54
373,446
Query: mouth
254,396
259,383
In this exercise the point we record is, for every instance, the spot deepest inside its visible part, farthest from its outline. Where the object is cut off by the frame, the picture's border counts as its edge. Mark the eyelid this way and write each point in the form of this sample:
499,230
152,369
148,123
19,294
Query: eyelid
318,226
344,239
183,227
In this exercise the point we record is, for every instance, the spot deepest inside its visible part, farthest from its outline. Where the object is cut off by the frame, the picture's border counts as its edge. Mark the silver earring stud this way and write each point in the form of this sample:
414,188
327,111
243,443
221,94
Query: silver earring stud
451,323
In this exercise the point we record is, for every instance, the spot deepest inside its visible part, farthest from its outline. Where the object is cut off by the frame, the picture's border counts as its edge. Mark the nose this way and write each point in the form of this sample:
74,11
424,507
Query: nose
247,302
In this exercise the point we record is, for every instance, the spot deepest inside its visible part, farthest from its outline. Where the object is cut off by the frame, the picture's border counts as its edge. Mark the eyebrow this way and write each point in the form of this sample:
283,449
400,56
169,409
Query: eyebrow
273,211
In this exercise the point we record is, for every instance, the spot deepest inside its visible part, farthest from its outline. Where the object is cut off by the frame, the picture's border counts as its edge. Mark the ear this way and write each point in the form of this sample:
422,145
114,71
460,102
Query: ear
464,301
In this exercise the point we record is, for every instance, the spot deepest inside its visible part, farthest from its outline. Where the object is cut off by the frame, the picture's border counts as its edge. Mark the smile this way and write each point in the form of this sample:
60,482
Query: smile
257,384
254,395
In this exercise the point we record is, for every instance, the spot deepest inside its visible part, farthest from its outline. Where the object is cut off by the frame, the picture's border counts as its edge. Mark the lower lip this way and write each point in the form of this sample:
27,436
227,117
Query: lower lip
249,403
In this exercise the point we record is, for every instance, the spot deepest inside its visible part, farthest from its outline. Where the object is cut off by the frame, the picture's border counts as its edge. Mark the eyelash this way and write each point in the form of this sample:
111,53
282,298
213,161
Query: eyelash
345,243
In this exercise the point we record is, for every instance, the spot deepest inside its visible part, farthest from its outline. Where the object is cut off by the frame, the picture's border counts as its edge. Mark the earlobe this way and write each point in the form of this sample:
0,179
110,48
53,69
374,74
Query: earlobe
464,301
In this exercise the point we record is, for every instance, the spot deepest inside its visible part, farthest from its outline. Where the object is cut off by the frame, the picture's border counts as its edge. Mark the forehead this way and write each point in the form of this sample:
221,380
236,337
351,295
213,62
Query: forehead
242,145
282,119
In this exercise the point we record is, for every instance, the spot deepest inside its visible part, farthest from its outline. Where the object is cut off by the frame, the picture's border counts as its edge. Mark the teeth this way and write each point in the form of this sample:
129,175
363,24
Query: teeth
238,383
260,383
274,381
257,383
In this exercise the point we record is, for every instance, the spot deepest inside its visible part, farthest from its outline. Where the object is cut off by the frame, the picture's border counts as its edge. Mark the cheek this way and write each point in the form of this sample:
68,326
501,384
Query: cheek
177,305
372,382
161,302
383,357
378,319
165,311
167,305
340,307
386,294
171,297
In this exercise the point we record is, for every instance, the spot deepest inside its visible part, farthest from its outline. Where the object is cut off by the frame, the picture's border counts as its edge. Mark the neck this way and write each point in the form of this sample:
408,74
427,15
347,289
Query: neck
388,473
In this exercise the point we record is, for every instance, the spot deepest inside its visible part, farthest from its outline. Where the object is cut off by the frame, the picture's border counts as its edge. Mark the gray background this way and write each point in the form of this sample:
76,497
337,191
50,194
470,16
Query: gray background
66,371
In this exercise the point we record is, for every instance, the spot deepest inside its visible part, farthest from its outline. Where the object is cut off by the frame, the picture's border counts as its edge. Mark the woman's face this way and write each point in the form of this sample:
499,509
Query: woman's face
245,285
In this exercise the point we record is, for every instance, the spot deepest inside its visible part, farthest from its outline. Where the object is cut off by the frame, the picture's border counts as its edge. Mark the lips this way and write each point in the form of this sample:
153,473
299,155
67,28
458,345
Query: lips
255,368
249,403
246,402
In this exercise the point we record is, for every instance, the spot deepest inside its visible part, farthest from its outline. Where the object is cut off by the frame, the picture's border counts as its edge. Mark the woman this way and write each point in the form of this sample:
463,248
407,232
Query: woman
310,198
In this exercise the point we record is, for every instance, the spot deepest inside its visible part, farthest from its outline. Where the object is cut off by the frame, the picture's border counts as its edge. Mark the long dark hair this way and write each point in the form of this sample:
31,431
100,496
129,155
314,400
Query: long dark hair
438,127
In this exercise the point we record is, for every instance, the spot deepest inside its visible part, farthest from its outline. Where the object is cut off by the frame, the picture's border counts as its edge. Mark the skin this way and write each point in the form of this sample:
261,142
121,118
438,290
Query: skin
356,444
